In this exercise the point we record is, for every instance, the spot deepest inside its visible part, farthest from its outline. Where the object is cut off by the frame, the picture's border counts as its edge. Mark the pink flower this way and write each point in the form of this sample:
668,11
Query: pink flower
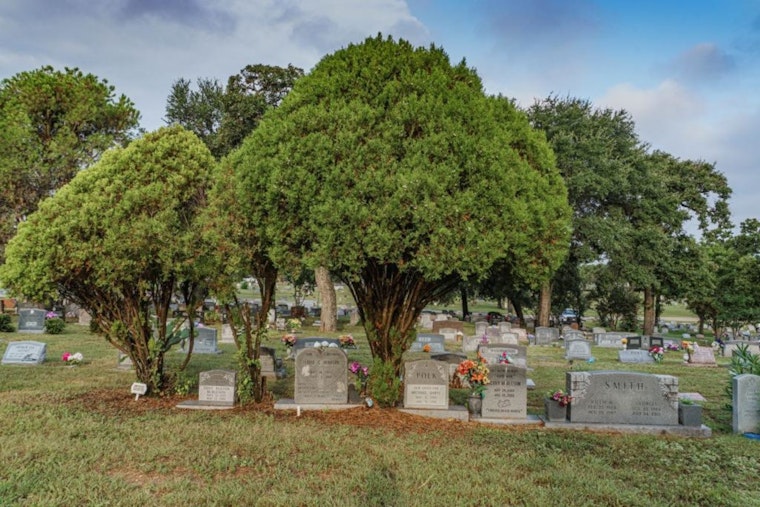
65,356
355,367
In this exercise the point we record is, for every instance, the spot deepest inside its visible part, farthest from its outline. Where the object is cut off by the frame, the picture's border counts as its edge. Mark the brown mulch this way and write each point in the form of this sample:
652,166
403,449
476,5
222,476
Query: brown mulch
117,403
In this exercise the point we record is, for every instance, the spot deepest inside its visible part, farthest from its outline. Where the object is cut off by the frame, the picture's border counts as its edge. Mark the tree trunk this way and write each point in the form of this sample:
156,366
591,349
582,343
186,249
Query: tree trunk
329,315
465,308
544,304
519,312
649,313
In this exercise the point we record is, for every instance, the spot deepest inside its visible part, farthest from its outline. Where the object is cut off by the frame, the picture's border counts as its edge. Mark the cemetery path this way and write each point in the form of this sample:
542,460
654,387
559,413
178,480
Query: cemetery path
116,403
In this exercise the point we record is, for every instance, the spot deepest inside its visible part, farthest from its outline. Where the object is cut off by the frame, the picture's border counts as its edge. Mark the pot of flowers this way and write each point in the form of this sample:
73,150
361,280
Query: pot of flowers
476,375
556,403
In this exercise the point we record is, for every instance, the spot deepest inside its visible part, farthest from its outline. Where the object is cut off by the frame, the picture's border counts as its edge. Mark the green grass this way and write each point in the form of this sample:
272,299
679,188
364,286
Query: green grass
61,443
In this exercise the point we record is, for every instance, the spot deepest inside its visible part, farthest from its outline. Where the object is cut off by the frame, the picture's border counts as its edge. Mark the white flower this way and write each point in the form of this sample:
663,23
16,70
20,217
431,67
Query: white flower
324,344
76,357
334,345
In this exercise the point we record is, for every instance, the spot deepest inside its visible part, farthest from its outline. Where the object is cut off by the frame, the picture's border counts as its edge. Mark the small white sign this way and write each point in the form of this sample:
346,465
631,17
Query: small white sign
138,389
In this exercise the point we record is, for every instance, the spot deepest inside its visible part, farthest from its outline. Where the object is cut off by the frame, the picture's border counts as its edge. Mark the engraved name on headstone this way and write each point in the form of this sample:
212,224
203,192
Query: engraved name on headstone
426,384
321,376
507,394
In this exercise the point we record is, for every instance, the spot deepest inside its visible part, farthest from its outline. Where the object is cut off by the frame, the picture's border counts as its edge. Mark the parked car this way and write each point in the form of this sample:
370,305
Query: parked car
494,318
569,316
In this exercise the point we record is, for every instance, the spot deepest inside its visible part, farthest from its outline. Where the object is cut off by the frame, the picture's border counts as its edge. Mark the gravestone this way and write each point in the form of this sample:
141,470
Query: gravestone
577,349
480,328
546,335
426,385
573,335
746,403
635,356
507,338
702,356
506,396
730,346
321,377
505,327
522,334
494,351
227,336
618,397
84,318
470,343
492,332
31,320
426,321
25,352
612,340
456,325
656,341
449,334
435,341
598,330
634,343
217,388
205,341
123,361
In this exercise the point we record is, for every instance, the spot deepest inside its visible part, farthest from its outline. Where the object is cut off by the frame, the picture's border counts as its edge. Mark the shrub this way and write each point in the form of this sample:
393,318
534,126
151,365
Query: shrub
5,323
383,383
54,325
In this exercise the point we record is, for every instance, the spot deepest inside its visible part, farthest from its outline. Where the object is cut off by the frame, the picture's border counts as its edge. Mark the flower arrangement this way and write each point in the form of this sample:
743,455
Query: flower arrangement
426,348
657,353
362,375
475,373
347,341
673,347
505,359
293,324
689,348
324,345
72,359
289,340
562,398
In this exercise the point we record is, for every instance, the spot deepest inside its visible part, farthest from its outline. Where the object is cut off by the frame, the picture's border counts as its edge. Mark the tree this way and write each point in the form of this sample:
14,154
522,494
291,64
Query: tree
391,167
120,240
53,124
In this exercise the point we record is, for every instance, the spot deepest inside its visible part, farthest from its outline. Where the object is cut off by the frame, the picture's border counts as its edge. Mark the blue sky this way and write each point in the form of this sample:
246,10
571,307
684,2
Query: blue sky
688,72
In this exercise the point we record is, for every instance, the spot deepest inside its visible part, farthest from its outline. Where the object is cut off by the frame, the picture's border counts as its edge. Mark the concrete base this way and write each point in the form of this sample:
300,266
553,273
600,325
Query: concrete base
290,404
197,405
681,431
531,419
456,412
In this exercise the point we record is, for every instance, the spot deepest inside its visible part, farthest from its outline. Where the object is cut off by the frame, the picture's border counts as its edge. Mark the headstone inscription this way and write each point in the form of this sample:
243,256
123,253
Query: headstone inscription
577,349
217,388
611,340
321,376
426,385
746,403
618,397
25,352
31,320
522,334
434,341
546,335
506,396
426,321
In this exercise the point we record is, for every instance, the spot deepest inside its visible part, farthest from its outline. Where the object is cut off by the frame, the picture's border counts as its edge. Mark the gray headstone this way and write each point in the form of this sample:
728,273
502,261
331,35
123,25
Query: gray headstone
434,340
656,341
634,343
480,328
227,336
546,335
449,334
217,387
577,349
617,397
506,396
321,376
452,359
470,343
31,320
493,332
505,327
84,318
439,325
205,341
703,356
26,352
746,403
635,356
426,321
493,352
522,334
426,384
731,346
573,335
123,361
506,337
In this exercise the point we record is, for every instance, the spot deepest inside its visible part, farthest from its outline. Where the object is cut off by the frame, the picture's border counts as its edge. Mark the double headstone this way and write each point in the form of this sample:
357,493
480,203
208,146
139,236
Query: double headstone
433,341
25,352
321,377
618,397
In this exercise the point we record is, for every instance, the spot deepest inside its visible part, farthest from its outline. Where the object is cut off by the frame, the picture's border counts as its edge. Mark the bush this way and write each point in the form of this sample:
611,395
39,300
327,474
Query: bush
383,384
5,324
54,325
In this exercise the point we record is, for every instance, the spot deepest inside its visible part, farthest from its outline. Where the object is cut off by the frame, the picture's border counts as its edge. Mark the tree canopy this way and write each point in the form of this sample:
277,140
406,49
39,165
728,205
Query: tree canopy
119,240
391,167
53,124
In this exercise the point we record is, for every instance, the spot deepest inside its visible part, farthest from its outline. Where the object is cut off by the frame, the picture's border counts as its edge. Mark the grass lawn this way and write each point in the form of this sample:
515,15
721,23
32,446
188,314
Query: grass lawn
76,436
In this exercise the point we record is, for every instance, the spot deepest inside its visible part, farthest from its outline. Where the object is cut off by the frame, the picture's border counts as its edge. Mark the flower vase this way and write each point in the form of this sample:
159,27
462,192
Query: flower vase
474,404
555,412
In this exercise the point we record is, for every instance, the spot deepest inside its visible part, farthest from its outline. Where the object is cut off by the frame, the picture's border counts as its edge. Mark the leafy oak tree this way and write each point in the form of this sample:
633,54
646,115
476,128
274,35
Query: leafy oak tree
120,240
390,166
53,124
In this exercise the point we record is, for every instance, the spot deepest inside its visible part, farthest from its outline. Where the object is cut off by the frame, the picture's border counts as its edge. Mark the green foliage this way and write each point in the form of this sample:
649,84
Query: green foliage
120,240
52,124
383,384
55,325
381,165
5,323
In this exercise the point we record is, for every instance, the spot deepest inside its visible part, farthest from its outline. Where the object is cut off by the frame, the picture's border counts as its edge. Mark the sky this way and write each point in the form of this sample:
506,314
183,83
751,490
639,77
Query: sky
688,72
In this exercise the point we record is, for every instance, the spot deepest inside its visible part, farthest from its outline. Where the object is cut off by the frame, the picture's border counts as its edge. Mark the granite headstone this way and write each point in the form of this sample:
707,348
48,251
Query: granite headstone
426,384
321,376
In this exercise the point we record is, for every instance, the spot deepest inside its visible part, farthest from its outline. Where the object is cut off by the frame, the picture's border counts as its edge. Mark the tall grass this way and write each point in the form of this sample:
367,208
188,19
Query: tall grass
64,442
